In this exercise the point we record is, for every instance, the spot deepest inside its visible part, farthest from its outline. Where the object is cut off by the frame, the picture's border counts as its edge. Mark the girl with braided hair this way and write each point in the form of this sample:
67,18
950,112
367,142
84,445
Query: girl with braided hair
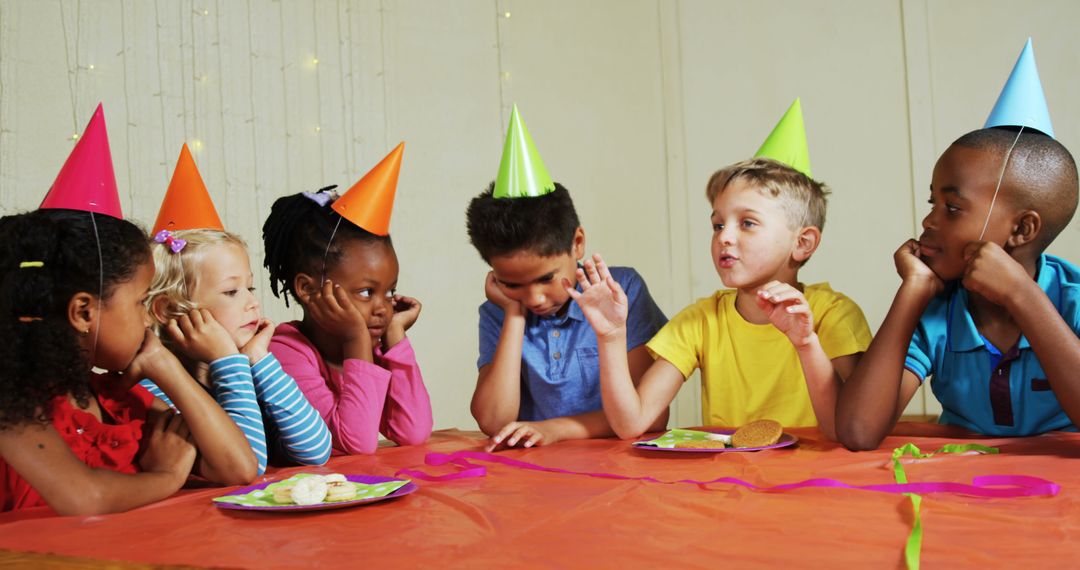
349,354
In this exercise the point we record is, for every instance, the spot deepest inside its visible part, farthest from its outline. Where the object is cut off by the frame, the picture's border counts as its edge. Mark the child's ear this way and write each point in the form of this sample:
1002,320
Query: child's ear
806,243
578,247
82,311
305,286
1026,228
160,309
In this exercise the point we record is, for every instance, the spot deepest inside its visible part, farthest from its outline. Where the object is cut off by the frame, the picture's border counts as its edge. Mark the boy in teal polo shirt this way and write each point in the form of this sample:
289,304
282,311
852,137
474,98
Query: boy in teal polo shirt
981,308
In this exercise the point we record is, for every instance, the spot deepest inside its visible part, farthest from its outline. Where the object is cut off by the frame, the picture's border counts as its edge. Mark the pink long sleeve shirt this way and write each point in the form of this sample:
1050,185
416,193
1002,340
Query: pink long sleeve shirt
362,399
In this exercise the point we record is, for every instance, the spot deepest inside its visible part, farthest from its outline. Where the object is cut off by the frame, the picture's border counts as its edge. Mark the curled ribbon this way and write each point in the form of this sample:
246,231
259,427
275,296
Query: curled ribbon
174,244
989,486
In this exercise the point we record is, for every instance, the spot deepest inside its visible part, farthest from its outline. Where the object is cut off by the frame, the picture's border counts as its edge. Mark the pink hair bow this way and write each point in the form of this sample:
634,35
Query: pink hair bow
173,243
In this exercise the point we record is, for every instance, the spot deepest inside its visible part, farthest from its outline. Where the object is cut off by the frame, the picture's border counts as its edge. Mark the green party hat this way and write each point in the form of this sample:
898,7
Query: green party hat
522,173
787,141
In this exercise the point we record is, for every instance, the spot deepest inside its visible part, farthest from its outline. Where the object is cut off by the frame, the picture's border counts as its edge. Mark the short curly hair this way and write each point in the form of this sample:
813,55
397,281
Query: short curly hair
296,238
175,274
542,225
39,349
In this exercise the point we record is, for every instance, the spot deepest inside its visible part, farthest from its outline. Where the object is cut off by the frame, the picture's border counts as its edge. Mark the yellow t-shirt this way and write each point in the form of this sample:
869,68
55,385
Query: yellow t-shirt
751,371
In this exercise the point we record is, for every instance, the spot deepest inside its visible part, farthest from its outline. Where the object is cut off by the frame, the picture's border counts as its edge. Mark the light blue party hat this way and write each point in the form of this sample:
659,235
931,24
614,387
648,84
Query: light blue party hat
1022,102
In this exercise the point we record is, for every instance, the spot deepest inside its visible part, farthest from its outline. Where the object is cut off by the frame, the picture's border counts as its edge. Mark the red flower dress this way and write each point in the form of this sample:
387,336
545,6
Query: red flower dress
111,444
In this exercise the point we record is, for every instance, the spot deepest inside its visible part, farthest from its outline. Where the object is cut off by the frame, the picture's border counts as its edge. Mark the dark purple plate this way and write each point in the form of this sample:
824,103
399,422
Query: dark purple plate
365,479
786,439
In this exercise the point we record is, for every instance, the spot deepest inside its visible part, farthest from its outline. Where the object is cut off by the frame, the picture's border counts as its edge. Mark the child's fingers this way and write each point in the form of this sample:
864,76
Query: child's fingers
180,427
534,438
797,308
505,431
786,296
207,317
590,270
337,299
570,290
601,267
173,330
161,422
616,289
197,319
582,279
186,326
520,432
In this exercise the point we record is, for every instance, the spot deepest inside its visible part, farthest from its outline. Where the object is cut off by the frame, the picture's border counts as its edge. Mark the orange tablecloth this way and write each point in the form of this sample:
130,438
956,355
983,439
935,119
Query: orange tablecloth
514,517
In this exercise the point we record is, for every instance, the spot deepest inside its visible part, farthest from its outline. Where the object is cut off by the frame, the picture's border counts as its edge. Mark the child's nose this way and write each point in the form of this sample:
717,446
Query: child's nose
727,235
928,221
536,298
381,306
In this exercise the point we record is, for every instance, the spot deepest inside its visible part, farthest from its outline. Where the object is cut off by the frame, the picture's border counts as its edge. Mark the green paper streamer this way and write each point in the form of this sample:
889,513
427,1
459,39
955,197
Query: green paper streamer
913,548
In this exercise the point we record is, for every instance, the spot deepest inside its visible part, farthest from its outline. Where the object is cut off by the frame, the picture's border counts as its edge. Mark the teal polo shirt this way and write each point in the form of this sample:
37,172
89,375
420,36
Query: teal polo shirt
996,392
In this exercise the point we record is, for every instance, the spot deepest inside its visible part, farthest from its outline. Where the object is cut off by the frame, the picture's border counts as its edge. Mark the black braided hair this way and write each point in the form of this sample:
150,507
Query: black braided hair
40,356
295,238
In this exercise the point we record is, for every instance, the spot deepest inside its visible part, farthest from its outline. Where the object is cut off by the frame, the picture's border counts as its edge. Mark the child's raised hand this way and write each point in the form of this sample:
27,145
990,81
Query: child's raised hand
527,434
200,336
259,345
495,294
788,311
913,270
169,449
991,272
601,299
153,361
406,311
331,308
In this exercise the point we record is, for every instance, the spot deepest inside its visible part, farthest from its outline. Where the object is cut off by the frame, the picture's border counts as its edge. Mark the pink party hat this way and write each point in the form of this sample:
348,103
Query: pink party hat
87,181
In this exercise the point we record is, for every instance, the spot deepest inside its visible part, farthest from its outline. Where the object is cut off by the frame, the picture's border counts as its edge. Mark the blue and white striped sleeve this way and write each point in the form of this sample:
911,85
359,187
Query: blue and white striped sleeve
235,393
156,392
301,432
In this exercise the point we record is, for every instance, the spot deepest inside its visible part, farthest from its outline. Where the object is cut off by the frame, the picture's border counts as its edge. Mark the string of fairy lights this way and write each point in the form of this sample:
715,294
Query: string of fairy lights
77,67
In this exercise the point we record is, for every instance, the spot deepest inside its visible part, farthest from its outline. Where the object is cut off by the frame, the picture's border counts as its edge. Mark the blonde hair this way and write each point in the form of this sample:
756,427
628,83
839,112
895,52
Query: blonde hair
801,197
175,274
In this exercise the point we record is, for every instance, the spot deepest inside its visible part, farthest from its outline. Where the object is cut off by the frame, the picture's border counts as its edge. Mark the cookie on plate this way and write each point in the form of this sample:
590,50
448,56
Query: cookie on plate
340,491
283,494
759,433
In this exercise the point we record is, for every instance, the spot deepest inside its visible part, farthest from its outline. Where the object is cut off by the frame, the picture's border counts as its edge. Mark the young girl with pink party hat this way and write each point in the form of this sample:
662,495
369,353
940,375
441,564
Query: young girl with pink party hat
76,434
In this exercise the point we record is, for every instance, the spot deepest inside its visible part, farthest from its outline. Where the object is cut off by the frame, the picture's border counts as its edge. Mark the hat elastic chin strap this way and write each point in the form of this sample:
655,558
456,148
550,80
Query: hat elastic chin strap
101,287
1001,177
329,242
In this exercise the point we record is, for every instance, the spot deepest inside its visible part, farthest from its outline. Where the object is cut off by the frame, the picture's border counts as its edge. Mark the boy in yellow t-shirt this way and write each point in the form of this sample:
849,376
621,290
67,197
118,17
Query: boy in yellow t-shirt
761,351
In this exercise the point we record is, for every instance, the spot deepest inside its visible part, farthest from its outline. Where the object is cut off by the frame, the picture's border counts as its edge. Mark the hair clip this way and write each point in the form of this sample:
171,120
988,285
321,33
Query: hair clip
29,319
26,264
174,244
323,196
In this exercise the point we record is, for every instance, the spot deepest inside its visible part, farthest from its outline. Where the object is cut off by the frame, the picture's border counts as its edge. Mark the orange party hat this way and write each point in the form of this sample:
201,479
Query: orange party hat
369,202
187,204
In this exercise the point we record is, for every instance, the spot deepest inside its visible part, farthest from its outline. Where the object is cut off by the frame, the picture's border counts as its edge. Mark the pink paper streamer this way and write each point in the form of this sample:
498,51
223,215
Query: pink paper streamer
989,486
